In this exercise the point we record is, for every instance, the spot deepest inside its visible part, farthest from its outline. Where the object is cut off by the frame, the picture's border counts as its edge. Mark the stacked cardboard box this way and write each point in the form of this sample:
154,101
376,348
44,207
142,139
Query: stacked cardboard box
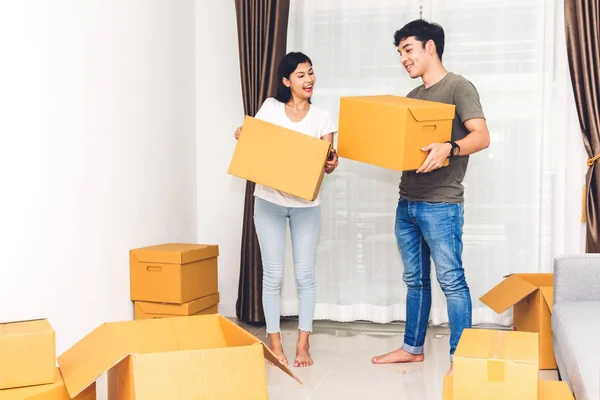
174,279
500,365
198,357
28,363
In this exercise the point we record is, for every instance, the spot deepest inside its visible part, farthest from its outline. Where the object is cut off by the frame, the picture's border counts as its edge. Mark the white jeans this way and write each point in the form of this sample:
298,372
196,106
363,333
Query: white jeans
270,222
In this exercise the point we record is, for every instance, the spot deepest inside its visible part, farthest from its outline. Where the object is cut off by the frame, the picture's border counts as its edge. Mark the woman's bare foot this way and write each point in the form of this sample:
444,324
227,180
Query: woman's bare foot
277,348
303,358
398,356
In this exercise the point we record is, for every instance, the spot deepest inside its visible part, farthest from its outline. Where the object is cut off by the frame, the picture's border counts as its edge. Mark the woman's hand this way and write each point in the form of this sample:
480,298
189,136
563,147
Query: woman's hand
332,164
237,133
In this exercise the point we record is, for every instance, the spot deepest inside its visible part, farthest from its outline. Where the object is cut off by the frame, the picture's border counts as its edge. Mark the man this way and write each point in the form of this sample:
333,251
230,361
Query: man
429,217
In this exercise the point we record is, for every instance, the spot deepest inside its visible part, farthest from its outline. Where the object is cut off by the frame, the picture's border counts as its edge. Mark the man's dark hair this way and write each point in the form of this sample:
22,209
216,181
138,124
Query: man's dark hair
423,31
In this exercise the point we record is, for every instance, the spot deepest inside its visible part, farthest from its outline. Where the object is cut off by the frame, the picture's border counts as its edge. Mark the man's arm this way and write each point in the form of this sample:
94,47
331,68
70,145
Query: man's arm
468,109
478,139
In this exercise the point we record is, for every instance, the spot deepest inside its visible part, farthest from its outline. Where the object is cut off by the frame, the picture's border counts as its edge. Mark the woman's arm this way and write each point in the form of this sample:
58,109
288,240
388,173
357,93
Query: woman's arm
332,164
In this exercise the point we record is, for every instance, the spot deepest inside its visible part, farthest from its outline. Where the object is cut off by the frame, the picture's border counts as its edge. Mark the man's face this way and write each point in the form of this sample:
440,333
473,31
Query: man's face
413,57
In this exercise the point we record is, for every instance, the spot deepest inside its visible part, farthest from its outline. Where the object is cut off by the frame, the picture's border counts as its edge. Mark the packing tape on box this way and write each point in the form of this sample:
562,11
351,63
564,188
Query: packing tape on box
496,364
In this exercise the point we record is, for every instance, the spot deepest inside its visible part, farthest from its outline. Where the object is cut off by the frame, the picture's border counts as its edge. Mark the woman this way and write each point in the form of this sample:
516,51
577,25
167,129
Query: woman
291,108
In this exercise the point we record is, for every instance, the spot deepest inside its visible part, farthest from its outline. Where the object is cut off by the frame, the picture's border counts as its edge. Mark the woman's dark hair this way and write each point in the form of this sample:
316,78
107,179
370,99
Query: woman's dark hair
287,65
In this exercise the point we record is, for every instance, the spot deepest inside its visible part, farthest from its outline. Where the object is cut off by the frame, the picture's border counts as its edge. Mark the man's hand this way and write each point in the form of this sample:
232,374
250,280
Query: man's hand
438,153
331,165
237,133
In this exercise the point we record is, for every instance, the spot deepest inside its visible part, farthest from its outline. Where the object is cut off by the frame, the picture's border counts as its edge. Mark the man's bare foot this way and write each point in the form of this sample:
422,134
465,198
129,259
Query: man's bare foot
398,356
303,358
277,348
450,370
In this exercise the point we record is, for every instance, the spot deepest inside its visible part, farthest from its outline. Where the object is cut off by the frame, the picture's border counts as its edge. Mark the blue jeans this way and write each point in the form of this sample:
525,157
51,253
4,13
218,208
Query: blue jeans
270,222
425,231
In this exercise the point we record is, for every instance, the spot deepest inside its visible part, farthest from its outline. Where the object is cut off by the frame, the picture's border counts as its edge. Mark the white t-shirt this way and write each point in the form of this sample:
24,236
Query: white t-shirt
317,123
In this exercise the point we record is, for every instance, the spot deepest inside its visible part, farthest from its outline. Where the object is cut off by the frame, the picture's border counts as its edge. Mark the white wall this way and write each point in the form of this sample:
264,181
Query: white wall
219,111
97,152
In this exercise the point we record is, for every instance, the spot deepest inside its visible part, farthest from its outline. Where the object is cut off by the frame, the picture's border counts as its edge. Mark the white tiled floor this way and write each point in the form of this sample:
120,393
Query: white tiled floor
343,369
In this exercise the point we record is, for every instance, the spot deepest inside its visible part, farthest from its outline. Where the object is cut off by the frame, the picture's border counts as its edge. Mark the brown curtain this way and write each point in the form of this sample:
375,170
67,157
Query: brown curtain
582,28
262,35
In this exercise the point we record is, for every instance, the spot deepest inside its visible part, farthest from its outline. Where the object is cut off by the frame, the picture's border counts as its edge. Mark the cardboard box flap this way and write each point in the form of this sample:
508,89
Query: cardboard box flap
554,390
92,356
190,308
548,294
538,279
269,355
432,112
238,337
507,293
175,253
190,333
28,327
499,345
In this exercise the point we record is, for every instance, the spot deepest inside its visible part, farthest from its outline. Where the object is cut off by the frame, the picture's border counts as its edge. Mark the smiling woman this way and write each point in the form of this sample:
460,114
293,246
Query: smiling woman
291,108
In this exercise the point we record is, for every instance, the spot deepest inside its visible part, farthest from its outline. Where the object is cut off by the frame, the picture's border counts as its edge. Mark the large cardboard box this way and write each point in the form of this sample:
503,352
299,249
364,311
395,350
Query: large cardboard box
53,391
203,306
390,131
184,358
493,364
531,296
174,272
27,353
279,158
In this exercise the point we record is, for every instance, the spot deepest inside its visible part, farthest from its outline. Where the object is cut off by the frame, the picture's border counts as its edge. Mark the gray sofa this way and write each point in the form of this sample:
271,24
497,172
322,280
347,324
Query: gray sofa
576,323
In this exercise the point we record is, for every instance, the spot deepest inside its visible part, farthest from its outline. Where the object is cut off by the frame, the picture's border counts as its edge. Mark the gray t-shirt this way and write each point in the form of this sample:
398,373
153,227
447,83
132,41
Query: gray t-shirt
444,184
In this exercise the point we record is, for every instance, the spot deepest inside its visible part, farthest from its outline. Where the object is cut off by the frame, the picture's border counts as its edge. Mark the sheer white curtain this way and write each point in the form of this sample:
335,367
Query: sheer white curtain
523,194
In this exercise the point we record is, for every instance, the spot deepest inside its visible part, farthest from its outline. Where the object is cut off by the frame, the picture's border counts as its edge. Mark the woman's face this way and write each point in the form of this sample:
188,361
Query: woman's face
301,81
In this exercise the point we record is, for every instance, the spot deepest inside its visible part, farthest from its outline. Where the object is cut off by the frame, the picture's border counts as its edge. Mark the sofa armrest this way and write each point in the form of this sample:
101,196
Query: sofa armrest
577,278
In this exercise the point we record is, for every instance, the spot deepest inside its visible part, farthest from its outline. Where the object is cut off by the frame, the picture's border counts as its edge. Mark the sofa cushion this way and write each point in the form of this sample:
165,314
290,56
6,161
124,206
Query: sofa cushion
575,328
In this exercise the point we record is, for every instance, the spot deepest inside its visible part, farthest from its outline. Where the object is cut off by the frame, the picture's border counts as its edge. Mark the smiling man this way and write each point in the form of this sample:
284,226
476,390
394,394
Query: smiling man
430,213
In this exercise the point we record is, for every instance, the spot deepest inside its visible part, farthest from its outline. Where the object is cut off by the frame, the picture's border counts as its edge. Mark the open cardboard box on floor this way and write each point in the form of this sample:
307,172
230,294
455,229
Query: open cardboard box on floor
52,391
279,158
197,357
27,353
173,272
203,306
531,296
389,131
